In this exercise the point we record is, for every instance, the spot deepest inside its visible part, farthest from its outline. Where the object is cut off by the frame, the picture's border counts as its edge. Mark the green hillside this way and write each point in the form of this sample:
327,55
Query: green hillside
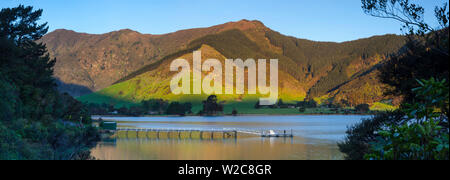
330,72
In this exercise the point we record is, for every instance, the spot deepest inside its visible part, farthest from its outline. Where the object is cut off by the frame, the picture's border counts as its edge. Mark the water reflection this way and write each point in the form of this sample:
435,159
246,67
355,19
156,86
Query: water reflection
226,149
315,138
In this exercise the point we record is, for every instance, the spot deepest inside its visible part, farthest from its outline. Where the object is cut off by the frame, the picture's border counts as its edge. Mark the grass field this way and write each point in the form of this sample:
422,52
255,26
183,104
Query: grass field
245,106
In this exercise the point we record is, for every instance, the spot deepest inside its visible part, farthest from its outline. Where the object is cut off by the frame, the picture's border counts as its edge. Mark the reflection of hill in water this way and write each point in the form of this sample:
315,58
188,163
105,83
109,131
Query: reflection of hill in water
242,149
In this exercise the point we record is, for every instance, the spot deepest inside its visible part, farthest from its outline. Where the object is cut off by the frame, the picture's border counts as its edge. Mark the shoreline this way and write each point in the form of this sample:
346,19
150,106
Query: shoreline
239,115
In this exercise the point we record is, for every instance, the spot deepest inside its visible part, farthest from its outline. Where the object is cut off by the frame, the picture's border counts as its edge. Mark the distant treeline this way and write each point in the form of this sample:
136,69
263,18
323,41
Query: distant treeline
211,107
158,107
311,104
149,107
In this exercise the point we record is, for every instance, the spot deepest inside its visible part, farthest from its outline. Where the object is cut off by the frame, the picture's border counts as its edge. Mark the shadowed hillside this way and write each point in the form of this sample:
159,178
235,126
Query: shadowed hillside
97,61
72,89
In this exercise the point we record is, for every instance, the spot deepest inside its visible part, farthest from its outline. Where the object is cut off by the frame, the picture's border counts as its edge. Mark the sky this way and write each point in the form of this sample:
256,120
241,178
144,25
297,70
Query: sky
319,20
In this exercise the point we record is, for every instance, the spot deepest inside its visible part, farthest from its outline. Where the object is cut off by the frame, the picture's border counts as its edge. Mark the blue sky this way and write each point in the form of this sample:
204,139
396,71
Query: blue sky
320,20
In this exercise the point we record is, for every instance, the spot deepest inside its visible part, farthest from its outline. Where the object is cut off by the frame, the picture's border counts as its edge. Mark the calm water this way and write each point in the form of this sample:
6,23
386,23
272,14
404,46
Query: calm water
315,138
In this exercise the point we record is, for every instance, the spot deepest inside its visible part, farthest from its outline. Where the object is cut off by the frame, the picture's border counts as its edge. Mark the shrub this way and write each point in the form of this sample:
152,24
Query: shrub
362,108
425,135
411,142
356,143
302,109
234,112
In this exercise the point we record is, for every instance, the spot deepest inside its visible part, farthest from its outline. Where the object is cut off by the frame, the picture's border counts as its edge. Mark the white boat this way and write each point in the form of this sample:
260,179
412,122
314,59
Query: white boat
272,133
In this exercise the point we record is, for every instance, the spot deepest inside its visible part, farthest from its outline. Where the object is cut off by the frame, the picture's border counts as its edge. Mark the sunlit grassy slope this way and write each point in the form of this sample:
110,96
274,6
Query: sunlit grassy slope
379,106
155,84
348,76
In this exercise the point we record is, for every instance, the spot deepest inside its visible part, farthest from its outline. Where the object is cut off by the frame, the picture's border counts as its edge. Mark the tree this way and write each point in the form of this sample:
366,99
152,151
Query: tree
426,53
187,108
20,24
157,105
9,102
356,143
123,110
280,103
411,15
301,109
393,135
344,103
136,111
36,122
362,108
211,106
98,109
426,136
234,112
175,108
74,110
257,105
310,103
27,63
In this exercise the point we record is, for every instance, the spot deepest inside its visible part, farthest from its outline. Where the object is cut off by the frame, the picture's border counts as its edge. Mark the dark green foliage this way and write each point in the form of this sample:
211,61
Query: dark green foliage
211,106
20,24
257,105
188,107
9,100
74,110
307,104
100,109
67,140
136,111
36,122
123,110
425,141
234,112
401,72
301,109
155,105
9,143
280,103
356,143
176,108
426,54
431,95
147,107
26,63
362,108
426,135
283,105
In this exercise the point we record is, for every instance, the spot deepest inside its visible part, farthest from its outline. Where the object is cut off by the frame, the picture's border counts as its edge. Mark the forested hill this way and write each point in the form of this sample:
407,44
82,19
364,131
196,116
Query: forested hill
337,71
96,61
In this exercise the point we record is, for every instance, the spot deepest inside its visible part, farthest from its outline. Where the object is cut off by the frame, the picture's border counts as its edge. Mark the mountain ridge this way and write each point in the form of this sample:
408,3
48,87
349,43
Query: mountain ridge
111,52
321,68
